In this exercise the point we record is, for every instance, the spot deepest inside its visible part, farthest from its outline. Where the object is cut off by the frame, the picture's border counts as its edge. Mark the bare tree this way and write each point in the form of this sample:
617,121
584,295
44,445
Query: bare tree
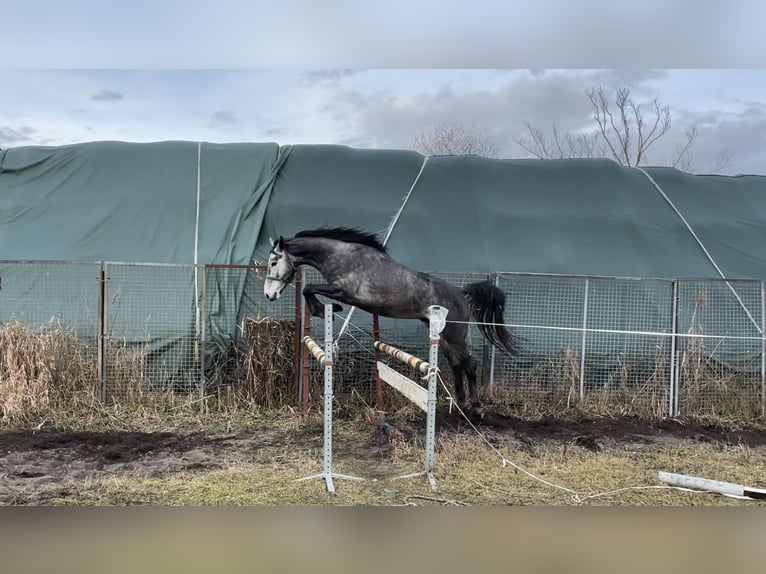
683,155
721,160
457,139
561,146
621,132
624,129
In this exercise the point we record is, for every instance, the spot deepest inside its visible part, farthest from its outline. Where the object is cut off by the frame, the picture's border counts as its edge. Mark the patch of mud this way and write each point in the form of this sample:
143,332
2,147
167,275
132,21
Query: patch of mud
39,466
596,433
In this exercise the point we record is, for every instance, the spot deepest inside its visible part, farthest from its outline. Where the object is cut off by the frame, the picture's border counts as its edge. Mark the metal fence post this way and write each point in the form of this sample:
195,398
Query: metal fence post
763,348
202,339
492,347
582,345
674,387
102,318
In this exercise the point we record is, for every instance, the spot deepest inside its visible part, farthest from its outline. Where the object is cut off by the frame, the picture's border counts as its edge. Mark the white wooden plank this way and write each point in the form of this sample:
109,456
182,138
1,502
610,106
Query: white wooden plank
725,488
413,391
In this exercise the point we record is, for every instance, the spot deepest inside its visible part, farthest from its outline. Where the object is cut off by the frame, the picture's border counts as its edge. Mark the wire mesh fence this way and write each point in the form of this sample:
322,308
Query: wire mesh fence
251,346
721,369
120,332
151,321
48,336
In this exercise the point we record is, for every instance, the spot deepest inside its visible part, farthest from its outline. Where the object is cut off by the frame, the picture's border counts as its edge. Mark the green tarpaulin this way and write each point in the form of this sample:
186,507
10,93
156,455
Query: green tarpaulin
184,202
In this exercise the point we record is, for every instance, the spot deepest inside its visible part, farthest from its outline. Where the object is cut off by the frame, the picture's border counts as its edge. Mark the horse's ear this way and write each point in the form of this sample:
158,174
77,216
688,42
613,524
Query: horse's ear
281,242
271,241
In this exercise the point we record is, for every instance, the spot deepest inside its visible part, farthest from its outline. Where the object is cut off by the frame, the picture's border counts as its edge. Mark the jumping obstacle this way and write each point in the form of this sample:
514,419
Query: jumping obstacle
325,359
422,398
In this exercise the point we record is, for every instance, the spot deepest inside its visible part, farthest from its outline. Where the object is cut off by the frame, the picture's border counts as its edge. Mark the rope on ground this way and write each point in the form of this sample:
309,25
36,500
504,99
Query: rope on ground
574,495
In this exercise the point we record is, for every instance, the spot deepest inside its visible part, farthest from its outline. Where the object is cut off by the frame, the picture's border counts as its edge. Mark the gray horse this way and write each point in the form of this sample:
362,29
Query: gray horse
358,271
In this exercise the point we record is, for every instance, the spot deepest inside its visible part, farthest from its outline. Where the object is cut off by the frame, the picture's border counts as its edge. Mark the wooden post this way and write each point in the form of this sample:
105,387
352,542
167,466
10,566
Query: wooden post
306,361
378,381
298,335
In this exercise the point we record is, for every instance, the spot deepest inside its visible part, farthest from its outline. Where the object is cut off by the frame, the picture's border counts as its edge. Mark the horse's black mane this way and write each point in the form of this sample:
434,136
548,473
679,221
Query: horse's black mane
348,234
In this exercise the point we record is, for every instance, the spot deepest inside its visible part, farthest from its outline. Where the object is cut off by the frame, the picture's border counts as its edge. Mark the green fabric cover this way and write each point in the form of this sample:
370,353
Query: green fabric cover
137,202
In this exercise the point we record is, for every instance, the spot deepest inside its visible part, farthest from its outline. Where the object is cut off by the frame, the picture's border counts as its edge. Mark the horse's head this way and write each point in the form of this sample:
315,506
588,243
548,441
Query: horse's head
280,270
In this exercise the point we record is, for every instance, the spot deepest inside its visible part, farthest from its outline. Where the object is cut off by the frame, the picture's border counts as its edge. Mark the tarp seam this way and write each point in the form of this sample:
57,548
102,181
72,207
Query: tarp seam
702,246
196,243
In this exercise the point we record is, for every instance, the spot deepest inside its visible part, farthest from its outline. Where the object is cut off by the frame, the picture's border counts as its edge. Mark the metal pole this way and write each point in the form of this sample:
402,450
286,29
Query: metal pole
327,364
763,349
673,375
492,348
582,343
328,396
102,350
437,319
202,335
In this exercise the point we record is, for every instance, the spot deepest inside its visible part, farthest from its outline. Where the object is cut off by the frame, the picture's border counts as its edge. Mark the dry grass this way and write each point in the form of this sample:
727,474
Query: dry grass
44,372
262,374
552,387
632,387
270,362
50,376
708,388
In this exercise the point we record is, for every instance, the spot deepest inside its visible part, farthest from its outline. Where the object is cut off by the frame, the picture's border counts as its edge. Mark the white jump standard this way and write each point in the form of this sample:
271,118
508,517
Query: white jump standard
426,400
325,359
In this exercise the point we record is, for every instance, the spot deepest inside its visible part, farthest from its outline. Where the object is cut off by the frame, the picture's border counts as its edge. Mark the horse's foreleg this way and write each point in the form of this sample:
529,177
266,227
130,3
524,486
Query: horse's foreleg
316,308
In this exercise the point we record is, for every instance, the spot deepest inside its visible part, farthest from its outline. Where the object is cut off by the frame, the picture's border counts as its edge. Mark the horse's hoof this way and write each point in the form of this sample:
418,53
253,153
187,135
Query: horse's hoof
336,308
469,408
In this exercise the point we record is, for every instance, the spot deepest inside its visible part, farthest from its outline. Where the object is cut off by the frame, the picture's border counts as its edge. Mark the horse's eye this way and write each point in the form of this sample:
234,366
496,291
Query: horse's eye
274,263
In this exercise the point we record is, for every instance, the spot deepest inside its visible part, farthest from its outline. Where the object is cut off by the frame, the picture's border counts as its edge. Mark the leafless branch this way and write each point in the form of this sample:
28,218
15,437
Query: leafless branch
721,160
683,153
560,146
604,119
629,137
457,139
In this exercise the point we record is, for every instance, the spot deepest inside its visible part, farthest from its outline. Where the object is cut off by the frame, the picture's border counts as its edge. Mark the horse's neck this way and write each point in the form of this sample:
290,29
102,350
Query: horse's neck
305,252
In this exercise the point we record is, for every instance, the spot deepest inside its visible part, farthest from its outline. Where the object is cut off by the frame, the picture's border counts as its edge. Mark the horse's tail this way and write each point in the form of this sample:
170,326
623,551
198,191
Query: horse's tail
487,304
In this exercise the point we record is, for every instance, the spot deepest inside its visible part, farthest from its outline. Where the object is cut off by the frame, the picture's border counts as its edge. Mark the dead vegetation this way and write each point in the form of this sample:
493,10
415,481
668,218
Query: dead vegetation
261,371
43,372
51,373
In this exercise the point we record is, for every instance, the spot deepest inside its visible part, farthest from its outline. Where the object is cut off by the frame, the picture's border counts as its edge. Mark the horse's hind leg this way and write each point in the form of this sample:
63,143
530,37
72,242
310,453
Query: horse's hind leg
469,367
457,374
461,363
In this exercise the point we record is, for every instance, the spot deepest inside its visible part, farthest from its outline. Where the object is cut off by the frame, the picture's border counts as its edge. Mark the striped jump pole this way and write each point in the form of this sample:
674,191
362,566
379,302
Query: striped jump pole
325,359
424,399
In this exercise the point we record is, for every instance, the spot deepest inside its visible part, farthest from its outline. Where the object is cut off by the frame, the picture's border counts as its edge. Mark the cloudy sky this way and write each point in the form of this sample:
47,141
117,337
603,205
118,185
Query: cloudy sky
326,81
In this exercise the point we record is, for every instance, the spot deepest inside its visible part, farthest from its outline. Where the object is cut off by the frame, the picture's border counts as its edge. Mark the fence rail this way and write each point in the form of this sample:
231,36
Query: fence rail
665,347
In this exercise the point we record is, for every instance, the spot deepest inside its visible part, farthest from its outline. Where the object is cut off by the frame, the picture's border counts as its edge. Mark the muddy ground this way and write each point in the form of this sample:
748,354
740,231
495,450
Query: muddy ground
41,466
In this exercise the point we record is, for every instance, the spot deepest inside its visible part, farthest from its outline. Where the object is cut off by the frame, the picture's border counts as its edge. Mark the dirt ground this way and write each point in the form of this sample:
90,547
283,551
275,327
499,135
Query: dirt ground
39,467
